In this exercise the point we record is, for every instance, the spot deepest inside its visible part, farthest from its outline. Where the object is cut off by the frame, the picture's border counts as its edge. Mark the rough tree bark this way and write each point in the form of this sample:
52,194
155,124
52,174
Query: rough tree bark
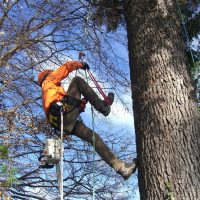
166,116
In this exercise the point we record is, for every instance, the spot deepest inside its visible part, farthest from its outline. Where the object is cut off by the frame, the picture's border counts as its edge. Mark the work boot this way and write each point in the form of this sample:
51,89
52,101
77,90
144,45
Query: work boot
110,98
107,107
126,170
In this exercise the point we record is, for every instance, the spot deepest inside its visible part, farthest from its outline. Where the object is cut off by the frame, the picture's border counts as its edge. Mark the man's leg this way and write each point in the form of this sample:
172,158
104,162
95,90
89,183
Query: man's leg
86,134
71,117
79,86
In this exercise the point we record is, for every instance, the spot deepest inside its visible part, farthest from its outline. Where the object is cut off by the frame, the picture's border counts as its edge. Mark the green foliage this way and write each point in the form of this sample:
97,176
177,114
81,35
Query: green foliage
193,26
3,169
191,17
169,194
196,78
3,152
6,170
10,175
196,67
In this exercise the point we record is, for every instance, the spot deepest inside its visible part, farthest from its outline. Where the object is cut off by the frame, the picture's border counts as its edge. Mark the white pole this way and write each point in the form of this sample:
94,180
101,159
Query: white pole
61,157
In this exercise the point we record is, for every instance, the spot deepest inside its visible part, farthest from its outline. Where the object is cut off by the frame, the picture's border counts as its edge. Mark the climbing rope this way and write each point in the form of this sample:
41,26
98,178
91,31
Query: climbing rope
61,155
81,58
94,153
93,148
59,165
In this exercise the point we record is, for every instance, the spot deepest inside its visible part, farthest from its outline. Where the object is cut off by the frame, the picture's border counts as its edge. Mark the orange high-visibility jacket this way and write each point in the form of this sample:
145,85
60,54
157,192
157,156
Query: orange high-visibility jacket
52,91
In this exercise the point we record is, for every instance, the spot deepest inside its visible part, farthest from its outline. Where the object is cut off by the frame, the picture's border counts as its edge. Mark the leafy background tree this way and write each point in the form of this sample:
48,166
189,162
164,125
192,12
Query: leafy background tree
190,17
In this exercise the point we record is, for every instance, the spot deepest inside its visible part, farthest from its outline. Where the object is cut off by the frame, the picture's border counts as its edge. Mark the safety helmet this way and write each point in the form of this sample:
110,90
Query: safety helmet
42,76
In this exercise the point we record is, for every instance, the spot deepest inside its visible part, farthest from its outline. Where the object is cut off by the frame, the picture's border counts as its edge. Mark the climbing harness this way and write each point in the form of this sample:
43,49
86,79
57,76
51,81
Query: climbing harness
82,105
68,104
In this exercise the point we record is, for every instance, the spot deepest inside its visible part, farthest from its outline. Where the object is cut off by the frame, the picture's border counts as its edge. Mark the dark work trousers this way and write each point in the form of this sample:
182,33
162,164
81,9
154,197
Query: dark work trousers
77,87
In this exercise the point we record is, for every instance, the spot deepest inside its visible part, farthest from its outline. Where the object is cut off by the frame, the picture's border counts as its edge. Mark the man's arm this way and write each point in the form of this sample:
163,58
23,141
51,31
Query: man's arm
63,71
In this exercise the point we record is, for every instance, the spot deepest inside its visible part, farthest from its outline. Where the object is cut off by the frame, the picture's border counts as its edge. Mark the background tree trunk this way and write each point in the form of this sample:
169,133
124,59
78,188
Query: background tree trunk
166,115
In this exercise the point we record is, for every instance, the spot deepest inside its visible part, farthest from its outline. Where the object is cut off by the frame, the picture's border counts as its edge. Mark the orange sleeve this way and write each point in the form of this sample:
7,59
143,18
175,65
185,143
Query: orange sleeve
63,71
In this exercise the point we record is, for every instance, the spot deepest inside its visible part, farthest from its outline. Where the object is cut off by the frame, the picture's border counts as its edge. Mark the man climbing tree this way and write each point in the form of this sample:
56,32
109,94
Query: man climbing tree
54,99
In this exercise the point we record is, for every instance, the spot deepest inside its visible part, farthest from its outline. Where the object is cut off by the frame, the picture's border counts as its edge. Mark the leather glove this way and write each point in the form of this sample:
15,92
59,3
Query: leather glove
85,66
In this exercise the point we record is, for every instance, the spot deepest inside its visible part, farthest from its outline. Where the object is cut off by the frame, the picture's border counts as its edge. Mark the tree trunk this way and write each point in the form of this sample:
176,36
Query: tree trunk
166,115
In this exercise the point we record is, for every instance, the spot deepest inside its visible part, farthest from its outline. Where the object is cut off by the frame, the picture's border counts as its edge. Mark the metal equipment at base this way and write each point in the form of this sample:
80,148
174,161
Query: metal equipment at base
53,155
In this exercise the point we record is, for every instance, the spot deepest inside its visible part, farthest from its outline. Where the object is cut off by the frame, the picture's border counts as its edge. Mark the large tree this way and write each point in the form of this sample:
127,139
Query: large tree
164,103
166,115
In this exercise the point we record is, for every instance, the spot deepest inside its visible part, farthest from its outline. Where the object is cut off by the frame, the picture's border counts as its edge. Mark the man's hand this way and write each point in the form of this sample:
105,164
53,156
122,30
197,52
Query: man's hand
85,66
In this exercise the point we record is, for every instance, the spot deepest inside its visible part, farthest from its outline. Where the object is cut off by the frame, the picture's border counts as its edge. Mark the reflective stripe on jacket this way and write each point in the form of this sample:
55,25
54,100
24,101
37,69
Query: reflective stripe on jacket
52,91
